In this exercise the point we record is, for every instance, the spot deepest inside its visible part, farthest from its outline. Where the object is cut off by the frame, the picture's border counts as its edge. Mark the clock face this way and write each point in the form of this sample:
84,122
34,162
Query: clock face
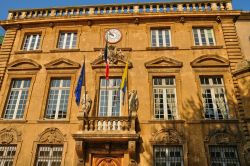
113,35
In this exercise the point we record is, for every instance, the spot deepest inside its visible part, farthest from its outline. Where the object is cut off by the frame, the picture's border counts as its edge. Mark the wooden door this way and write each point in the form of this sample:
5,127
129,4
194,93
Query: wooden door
107,161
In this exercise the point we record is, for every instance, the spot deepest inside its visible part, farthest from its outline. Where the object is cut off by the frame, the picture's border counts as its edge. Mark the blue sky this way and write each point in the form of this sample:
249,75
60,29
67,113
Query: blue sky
17,4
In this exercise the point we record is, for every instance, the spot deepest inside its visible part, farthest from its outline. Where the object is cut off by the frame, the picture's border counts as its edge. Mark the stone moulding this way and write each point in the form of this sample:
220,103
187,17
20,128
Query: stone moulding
167,136
163,62
62,63
23,64
209,61
10,135
51,136
218,137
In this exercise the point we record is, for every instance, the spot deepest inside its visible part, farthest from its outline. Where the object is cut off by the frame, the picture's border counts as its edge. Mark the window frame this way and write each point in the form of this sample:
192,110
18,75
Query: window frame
21,89
163,37
165,87
60,88
225,146
65,40
206,35
52,75
212,87
166,73
169,145
50,158
36,44
11,76
7,158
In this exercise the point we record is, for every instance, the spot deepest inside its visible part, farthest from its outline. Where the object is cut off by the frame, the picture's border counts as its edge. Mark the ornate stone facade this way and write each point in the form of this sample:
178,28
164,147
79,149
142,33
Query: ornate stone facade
132,138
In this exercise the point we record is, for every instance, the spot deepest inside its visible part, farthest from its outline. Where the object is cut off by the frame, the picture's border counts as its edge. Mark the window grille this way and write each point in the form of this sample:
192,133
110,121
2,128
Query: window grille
67,40
58,99
110,102
17,99
7,154
160,38
168,155
223,156
49,155
165,101
204,36
214,97
31,42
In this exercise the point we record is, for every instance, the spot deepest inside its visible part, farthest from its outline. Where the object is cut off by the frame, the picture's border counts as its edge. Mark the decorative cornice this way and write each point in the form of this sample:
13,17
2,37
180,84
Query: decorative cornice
62,63
209,61
163,62
24,64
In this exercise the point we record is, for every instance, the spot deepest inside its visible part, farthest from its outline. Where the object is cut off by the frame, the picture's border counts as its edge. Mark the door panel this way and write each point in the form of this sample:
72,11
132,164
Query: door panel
106,161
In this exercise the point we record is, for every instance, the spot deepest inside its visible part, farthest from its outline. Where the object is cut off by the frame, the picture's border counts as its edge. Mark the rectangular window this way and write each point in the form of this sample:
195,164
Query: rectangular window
31,42
164,91
49,155
204,36
160,38
7,154
58,99
67,40
224,156
17,99
110,100
168,155
214,97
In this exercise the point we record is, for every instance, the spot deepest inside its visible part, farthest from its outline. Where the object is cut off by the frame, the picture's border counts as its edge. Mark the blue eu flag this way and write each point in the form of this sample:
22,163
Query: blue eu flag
80,83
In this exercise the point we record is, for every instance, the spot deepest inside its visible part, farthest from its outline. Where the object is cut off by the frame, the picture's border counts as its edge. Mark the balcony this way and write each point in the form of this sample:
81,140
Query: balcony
108,128
122,9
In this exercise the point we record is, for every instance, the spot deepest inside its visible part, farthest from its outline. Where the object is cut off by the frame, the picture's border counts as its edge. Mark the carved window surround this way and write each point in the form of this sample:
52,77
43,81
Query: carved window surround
50,136
164,67
206,47
214,65
28,52
19,69
59,68
24,32
170,137
65,50
11,136
223,137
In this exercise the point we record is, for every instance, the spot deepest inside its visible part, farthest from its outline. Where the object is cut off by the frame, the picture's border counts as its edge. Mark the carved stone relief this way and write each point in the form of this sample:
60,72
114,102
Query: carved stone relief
133,101
167,136
51,136
246,149
9,135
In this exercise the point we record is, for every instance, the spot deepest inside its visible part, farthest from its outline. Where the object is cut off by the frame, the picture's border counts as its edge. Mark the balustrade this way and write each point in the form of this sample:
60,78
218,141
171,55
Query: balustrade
109,124
161,7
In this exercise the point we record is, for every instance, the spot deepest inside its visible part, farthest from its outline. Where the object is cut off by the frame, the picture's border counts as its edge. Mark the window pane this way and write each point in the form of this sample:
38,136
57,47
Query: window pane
17,99
57,103
203,36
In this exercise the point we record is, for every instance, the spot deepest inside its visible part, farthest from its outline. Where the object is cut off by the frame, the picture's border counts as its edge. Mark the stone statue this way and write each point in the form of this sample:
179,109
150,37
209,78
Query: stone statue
133,101
86,104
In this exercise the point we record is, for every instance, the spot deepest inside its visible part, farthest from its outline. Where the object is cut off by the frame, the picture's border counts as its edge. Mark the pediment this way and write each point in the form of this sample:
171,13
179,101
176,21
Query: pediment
100,63
24,64
62,63
163,62
210,61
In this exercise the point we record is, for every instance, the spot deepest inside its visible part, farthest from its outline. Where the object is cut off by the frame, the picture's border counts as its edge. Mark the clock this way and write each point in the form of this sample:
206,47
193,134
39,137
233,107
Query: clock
113,35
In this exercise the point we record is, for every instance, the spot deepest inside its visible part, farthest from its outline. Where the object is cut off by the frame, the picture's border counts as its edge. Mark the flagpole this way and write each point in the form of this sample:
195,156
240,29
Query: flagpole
84,83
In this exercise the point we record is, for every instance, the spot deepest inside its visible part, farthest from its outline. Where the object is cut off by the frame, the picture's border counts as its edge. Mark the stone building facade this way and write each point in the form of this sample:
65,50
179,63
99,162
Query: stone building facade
183,103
